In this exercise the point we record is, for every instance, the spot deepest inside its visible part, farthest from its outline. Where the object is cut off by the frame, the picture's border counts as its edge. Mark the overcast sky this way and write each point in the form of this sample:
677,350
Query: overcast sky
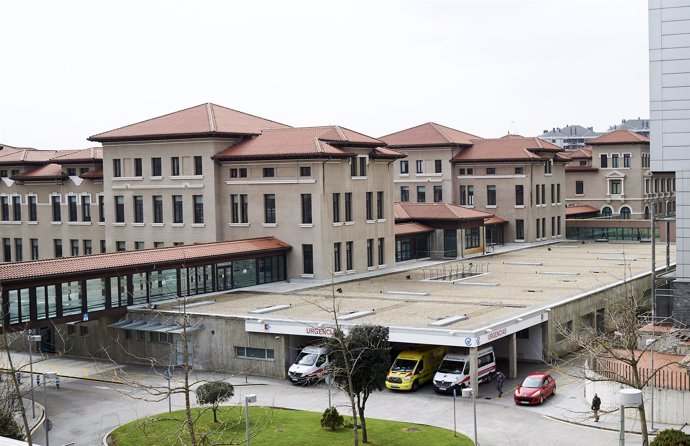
71,69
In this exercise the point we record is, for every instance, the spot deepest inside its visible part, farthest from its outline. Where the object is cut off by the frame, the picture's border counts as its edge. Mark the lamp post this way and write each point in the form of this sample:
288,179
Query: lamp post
466,392
248,399
653,296
627,398
32,338
47,425
168,374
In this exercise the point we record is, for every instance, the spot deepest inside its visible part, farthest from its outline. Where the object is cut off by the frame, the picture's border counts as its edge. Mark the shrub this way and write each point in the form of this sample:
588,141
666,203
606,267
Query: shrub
331,419
9,427
671,437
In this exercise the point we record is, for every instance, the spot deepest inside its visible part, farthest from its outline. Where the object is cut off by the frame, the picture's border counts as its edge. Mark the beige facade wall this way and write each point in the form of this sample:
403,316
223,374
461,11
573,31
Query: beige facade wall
83,230
428,178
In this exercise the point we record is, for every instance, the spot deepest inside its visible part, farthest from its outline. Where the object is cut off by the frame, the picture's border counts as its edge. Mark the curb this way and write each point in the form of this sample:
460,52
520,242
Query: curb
603,428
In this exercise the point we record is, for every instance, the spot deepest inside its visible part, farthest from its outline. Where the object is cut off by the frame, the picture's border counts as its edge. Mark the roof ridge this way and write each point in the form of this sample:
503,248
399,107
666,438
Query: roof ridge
436,127
211,116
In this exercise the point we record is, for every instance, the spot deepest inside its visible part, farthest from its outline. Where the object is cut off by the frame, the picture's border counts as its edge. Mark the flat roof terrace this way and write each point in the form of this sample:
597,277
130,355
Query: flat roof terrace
464,299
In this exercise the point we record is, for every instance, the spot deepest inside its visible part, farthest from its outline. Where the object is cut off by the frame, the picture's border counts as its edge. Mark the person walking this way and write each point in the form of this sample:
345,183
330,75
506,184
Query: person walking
500,377
596,404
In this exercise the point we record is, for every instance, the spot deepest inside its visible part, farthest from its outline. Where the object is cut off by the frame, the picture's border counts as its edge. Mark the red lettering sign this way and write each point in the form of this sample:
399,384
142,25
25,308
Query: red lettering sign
497,333
320,331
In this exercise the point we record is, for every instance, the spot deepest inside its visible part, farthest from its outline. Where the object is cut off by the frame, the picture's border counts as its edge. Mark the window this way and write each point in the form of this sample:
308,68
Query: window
120,246
33,213
156,167
553,193
583,162
379,205
83,170
308,259
543,194
198,166
625,213
616,187
543,227
558,193
470,195
553,226
117,168
382,259
369,206
6,250
472,238
519,195
254,353
269,172
138,171
239,208
491,171
88,250
558,225
604,160
101,209
538,229
421,194
547,167
491,195
420,166
519,171
198,201
404,193
463,195
18,250
74,247
306,209
336,257
538,193
102,243
3,173
138,209
579,187
348,206
269,208
370,252
241,172
614,160
362,165
461,171
16,208
55,202
86,208
119,209
404,167
57,247
177,209
34,249
336,208
348,256
438,194
438,166
72,207
470,171
519,229
157,208
5,208
175,166
138,245
606,211
305,171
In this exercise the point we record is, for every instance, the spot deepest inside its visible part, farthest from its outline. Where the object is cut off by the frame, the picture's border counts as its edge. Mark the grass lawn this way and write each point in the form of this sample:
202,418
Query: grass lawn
275,427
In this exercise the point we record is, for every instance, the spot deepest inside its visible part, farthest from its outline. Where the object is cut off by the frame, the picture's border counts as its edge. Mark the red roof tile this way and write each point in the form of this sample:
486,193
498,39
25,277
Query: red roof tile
495,220
47,172
26,156
436,211
429,134
577,210
301,142
509,147
411,228
79,156
579,154
129,259
92,175
619,137
205,120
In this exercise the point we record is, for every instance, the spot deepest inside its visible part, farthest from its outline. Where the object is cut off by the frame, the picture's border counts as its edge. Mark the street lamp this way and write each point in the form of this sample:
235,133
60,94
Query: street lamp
650,344
32,338
168,374
627,398
248,399
467,392
47,425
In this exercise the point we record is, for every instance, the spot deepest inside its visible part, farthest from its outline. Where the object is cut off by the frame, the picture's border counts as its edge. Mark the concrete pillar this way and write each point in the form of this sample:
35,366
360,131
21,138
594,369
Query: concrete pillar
512,356
474,382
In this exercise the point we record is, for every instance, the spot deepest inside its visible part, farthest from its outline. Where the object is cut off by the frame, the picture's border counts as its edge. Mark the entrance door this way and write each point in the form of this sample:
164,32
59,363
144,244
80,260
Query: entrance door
450,243
179,352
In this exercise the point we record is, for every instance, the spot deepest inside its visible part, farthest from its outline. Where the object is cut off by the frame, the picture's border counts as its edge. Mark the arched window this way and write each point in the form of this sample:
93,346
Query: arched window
606,211
625,213
646,213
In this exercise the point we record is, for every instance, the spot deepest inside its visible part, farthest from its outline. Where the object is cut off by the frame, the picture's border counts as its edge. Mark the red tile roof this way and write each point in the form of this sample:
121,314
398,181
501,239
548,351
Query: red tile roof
79,156
436,211
619,137
205,120
92,175
26,156
129,259
577,210
411,228
579,154
47,172
495,220
508,148
302,142
429,135
581,169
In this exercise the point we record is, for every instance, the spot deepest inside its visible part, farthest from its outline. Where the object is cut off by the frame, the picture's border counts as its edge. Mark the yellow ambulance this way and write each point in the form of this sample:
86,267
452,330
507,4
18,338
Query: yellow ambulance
414,367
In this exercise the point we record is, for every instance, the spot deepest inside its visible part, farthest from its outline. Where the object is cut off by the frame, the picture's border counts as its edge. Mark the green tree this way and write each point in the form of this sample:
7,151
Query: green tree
9,427
331,419
671,437
214,393
359,361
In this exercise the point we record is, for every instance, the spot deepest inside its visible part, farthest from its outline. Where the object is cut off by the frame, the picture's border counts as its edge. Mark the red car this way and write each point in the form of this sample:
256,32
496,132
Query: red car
535,389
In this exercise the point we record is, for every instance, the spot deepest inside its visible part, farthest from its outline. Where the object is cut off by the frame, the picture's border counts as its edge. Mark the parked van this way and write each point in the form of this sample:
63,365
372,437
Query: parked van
454,372
414,367
310,366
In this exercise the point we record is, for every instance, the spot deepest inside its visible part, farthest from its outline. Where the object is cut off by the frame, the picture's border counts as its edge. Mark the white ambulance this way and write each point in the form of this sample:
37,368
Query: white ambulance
310,367
454,371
